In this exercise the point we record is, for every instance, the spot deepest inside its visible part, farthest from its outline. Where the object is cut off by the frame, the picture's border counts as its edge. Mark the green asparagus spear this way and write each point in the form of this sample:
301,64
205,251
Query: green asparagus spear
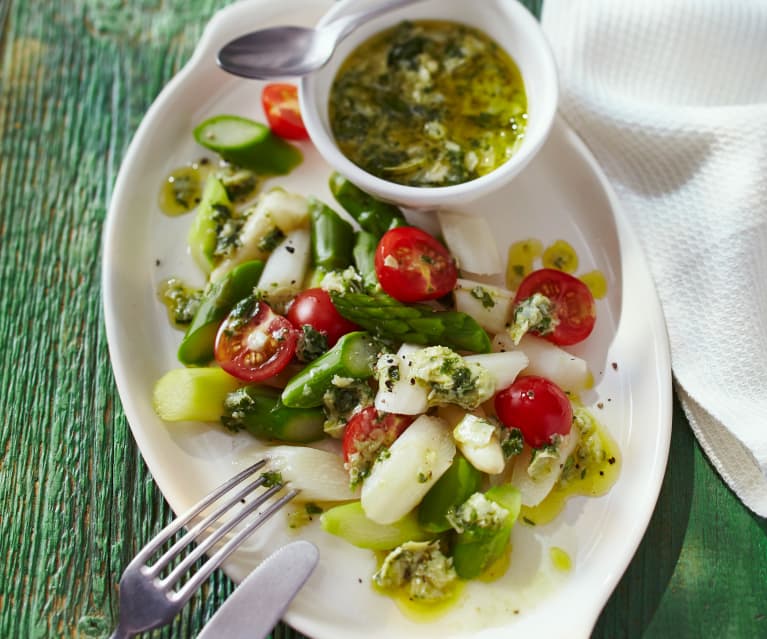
197,346
214,208
353,356
373,215
384,316
332,238
247,144
258,409
364,257
192,394
459,482
485,536
349,522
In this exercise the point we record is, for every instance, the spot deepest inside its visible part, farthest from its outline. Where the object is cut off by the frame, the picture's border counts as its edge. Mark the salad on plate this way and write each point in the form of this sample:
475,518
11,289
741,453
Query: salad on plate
416,386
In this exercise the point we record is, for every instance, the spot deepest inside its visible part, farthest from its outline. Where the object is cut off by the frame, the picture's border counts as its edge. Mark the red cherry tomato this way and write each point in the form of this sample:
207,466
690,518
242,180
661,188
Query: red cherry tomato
538,407
370,424
574,308
280,102
412,266
253,343
315,308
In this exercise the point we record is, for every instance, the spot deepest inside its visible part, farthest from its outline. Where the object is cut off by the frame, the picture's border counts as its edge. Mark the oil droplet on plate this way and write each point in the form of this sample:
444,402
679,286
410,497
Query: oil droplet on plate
561,256
560,559
520,260
596,282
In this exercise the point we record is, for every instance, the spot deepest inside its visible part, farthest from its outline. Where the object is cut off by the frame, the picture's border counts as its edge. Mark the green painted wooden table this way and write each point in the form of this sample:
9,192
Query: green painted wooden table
76,77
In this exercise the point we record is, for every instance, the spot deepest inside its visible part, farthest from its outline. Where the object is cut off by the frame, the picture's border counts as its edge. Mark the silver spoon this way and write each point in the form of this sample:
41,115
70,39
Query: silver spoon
293,51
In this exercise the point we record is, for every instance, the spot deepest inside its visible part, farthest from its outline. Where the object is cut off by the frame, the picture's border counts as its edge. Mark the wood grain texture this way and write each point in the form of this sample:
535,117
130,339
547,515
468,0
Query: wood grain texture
76,77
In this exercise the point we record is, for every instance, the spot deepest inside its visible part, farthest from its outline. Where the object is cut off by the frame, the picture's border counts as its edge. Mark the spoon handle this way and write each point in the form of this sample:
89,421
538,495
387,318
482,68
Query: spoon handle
344,25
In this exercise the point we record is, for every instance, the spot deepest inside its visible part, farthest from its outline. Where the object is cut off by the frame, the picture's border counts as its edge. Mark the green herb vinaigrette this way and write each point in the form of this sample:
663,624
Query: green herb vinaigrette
418,610
181,190
428,103
590,475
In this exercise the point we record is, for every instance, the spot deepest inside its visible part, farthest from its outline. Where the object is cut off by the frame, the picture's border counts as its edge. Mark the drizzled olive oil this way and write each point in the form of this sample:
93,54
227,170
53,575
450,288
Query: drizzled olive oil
520,261
590,476
596,282
182,188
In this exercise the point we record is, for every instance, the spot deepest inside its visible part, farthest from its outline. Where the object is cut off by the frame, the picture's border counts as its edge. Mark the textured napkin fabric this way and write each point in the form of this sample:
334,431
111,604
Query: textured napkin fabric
671,97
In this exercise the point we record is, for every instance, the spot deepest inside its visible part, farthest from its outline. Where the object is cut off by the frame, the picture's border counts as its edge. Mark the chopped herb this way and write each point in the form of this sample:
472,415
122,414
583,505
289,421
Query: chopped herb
272,478
181,301
240,184
483,296
535,314
270,241
512,442
311,344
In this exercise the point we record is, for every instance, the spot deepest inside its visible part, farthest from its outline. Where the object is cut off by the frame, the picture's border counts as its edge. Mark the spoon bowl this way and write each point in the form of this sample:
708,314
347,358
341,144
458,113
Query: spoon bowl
294,51
277,51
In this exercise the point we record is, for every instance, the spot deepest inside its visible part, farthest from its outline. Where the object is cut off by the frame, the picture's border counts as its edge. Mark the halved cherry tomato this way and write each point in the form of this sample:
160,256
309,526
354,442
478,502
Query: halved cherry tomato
538,407
280,102
253,342
413,266
315,308
369,430
574,308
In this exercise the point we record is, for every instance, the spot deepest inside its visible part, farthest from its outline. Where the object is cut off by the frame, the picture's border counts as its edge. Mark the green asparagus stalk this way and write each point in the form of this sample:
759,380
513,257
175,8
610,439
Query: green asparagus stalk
214,207
477,547
364,251
197,346
258,410
373,215
192,394
349,522
247,144
384,316
353,356
332,238
459,482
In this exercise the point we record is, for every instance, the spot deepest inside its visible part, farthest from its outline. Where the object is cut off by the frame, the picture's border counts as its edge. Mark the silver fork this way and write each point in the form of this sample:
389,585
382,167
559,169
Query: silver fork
148,600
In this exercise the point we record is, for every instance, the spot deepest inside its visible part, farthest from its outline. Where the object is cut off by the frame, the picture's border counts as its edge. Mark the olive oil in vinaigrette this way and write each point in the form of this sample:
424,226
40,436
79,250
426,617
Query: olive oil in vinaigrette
182,189
589,474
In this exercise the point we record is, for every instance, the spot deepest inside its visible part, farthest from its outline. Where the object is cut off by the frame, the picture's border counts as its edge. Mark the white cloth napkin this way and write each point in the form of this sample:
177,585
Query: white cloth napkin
671,97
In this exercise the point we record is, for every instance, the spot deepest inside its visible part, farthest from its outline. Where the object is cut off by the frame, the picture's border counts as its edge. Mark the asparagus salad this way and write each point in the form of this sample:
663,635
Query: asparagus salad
422,411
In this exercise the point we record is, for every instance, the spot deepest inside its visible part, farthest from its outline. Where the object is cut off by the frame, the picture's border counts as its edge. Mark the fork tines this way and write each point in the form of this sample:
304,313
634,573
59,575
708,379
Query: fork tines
233,499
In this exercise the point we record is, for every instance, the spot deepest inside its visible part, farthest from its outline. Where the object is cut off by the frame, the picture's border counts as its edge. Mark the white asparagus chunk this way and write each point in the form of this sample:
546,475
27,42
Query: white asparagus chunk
415,461
319,475
286,269
503,366
535,488
477,439
548,360
275,209
400,396
489,305
471,242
